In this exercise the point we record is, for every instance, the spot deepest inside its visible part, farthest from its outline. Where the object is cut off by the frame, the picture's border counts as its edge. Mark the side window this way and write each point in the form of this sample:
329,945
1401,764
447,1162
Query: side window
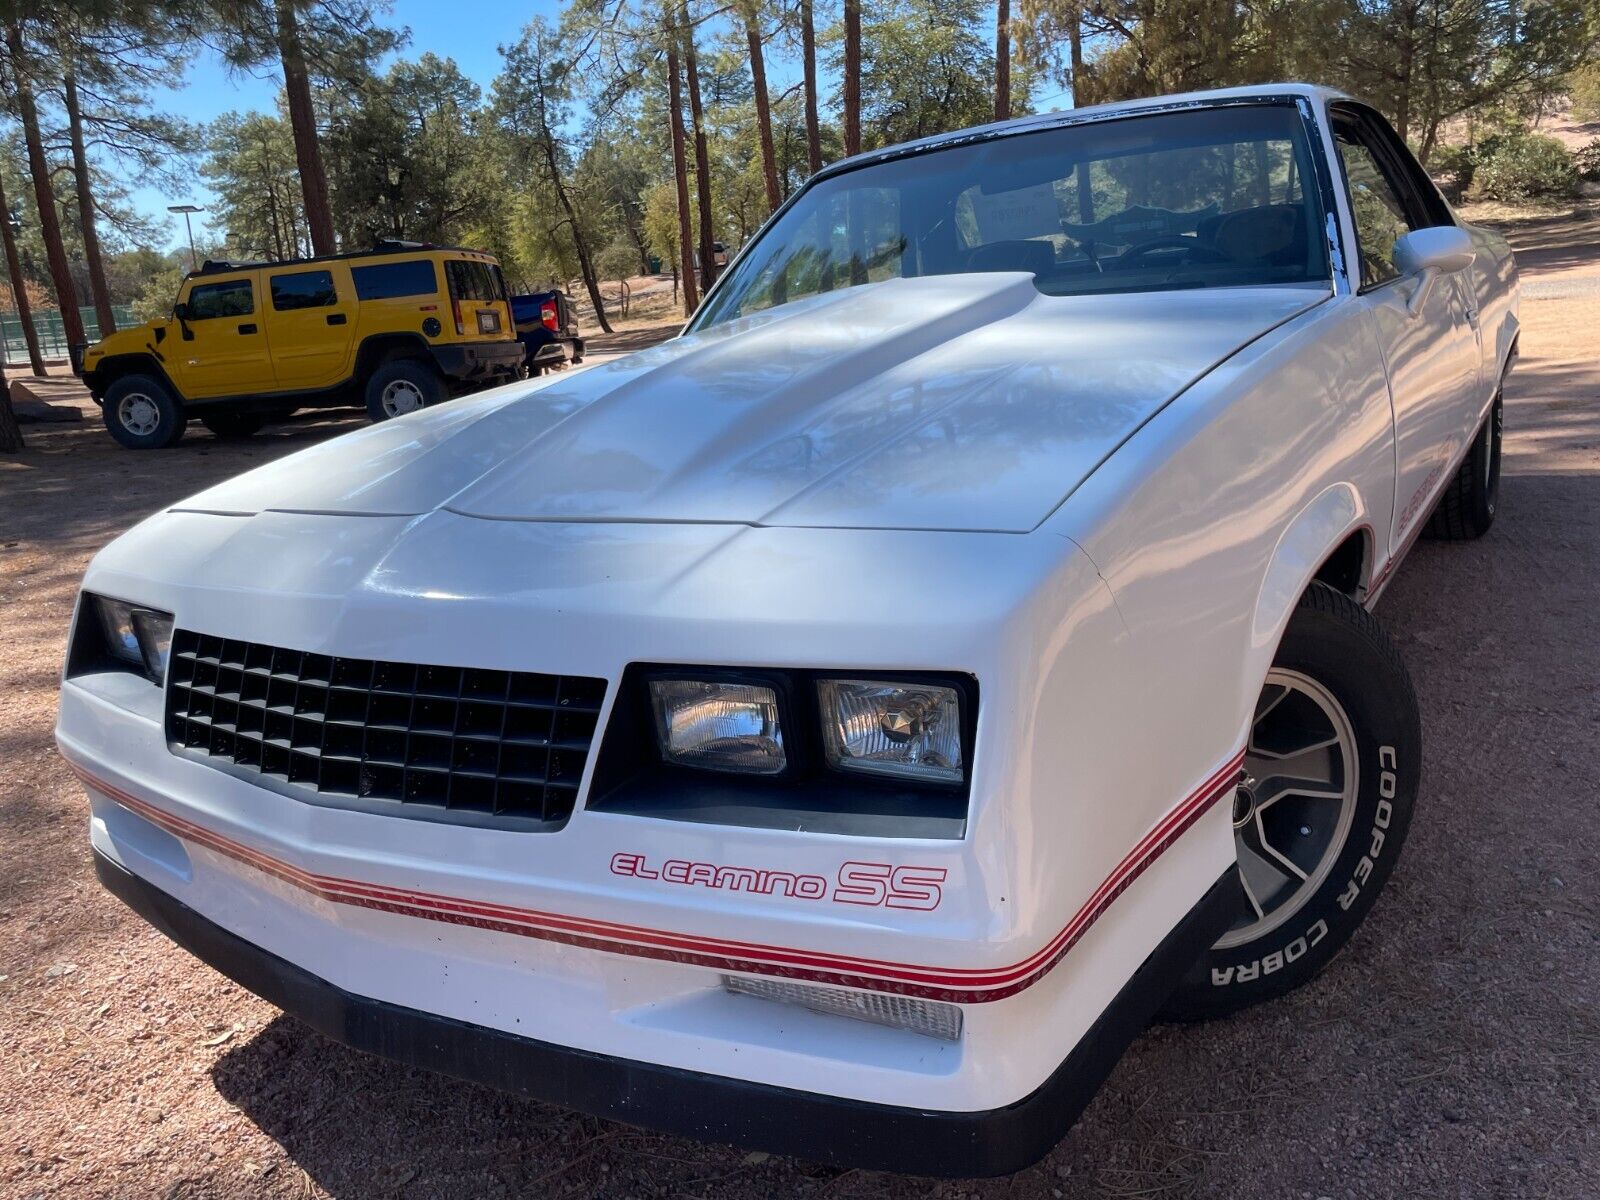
386,281
304,289
471,280
232,298
1376,204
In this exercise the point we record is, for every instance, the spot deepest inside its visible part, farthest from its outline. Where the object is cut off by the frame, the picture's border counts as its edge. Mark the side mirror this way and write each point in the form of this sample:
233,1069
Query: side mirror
1429,253
181,311
1443,248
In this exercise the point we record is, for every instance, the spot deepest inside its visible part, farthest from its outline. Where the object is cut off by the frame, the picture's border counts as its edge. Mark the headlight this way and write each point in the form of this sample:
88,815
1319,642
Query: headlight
718,726
908,730
140,637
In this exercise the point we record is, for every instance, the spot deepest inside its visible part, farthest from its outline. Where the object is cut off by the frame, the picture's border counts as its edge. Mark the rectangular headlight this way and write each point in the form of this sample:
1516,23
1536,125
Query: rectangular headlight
140,637
718,726
877,727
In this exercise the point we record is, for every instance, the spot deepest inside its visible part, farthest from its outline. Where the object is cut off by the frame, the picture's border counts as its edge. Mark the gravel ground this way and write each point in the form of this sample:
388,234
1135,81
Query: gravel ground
1452,1050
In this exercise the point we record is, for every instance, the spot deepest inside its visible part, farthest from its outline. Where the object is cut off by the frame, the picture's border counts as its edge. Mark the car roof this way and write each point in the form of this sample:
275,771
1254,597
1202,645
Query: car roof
1097,112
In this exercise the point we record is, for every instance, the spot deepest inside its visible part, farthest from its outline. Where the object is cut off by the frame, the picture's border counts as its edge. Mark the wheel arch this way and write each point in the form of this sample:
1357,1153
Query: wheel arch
1330,541
109,370
379,348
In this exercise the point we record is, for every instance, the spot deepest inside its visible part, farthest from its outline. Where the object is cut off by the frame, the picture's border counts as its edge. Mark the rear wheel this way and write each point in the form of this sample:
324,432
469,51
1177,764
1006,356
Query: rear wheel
1466,509
233,424
1331,773
400,387
142,414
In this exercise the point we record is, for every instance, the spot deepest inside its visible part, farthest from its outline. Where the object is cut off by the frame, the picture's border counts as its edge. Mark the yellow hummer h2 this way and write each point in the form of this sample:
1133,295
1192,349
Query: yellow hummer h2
401,326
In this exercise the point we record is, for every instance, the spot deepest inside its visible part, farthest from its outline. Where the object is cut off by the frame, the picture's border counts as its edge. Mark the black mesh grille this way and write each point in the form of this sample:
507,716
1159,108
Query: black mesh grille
431,739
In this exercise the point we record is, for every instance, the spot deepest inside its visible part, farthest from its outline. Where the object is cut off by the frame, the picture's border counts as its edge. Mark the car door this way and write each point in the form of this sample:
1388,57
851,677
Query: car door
1431,349
222,345
310,324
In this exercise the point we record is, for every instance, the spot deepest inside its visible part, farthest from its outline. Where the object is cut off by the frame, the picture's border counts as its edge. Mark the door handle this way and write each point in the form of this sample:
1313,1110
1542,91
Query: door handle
336,318
247,328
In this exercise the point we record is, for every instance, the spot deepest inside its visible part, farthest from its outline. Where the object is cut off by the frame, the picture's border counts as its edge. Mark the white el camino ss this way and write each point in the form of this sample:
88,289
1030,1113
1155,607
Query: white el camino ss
841,728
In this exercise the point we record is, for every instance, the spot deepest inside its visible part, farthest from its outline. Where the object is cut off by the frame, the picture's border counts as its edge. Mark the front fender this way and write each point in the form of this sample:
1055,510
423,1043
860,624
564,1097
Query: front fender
1306,543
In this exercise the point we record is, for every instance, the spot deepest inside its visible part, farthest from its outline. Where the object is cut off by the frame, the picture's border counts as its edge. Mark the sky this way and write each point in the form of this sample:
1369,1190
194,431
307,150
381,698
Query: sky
466,30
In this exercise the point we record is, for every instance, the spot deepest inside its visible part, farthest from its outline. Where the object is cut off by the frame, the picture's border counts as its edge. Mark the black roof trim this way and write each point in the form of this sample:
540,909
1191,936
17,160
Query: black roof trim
388,246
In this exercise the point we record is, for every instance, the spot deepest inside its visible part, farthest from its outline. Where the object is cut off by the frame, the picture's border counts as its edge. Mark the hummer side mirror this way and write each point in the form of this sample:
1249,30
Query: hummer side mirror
180,310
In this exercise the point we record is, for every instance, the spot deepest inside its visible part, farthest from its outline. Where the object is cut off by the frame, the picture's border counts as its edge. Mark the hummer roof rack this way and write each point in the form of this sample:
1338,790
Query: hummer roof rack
213,266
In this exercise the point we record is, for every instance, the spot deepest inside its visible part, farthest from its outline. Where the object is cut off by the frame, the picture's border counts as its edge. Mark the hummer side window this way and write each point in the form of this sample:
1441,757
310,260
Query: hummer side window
231,298
304,289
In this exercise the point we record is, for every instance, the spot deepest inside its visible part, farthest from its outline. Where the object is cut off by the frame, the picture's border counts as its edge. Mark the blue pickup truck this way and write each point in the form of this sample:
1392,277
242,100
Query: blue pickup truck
547,327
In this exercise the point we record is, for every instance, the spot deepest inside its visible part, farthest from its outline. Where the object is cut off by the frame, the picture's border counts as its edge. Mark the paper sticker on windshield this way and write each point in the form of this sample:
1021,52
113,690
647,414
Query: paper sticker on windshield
1027,212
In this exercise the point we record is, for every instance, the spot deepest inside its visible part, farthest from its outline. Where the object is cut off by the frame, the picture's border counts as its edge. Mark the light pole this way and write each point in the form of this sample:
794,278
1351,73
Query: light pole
187,210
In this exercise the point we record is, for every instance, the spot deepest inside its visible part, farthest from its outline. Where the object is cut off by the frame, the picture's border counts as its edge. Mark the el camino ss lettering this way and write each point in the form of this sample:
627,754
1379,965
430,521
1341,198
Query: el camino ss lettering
870,884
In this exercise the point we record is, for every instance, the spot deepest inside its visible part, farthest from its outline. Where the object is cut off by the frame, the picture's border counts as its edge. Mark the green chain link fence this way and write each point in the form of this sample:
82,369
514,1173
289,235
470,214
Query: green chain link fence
52,336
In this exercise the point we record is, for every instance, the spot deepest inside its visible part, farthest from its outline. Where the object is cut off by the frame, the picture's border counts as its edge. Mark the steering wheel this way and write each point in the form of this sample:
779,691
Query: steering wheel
1198,252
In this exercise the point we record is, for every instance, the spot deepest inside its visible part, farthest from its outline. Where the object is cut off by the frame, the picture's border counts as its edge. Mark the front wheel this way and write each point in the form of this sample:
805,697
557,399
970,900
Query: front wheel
401,387
1331,772
142,414
1466,509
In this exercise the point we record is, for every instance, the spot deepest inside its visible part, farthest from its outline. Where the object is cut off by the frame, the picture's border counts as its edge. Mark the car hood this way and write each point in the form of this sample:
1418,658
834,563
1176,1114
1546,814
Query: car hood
967,402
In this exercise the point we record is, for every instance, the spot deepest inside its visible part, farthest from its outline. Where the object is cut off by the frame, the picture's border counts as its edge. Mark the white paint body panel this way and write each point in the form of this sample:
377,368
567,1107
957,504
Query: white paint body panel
1102,508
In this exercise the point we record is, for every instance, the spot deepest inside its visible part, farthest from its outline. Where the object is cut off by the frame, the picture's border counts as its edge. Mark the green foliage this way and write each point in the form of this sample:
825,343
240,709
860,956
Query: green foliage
250,165
1586,161
156,296
927,66
1583,89
1452,168
1518,167
406,161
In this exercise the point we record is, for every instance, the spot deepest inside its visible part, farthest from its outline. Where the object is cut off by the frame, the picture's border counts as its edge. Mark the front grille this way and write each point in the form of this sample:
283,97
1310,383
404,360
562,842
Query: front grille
454,743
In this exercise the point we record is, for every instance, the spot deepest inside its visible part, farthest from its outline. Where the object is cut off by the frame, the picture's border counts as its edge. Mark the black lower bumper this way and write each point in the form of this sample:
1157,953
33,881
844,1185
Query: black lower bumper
709,1107
473,361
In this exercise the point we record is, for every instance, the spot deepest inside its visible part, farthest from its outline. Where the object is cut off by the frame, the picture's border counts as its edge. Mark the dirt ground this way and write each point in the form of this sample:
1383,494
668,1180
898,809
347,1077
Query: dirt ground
1452,1050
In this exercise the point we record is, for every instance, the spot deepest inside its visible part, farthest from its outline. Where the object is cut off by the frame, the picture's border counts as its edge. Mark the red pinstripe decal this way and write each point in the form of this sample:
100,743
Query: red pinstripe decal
952,984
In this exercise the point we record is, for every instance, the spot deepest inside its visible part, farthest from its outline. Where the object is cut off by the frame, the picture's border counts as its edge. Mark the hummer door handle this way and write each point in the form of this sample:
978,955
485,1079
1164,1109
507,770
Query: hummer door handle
247,328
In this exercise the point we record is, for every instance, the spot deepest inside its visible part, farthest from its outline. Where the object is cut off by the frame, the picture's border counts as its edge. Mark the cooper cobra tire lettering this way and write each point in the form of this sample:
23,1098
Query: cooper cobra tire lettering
1337,651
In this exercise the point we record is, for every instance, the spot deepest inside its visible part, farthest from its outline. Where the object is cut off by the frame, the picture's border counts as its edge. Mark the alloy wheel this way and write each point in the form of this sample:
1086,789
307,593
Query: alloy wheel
1293,811
138,414
401,397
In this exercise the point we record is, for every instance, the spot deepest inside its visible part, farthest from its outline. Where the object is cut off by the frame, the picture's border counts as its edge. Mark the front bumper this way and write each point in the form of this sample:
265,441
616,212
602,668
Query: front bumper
691,1103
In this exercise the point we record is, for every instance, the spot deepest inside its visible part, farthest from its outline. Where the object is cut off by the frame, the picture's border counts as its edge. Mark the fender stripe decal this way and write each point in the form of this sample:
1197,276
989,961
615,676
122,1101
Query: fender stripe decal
950,984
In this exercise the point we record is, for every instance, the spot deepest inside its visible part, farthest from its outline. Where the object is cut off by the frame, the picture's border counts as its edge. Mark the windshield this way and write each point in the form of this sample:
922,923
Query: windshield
1209,197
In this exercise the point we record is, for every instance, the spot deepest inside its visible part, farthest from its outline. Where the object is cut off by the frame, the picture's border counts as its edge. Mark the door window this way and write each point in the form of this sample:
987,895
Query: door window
1376,204
304,289
231,298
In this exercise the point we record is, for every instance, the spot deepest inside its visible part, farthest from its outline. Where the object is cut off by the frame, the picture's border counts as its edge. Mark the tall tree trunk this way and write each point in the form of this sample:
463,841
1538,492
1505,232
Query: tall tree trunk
19,289
591,282
680,175
758,76
91,238
808,49
10,434
1002,61
852,77
44,199
303,121
1080,88
702,155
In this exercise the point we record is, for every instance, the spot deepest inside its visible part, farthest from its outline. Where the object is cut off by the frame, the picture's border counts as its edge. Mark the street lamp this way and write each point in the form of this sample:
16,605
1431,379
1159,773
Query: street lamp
187,210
